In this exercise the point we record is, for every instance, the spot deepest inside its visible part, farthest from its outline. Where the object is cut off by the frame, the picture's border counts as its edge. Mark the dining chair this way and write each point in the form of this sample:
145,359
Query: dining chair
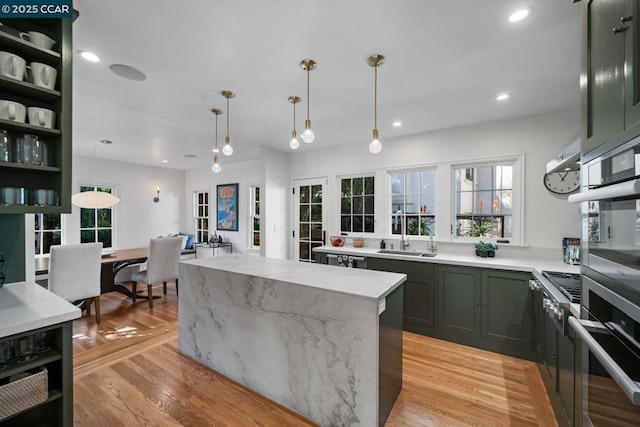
74,274
162,266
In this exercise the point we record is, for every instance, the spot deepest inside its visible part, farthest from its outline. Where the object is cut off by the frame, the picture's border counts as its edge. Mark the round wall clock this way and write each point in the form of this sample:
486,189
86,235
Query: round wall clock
562,182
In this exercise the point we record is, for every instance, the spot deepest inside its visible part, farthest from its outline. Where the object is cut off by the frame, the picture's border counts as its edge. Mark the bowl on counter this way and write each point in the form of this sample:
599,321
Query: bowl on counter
358,242
336,240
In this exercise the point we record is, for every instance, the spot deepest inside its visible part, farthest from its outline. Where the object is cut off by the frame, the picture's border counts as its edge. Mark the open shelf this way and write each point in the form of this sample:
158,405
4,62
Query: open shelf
30,168
43,358
27,90
10,125
16,45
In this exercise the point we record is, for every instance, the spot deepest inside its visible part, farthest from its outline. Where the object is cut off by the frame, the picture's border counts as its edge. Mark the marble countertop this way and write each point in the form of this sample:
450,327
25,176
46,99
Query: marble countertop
25,306
365,283
499,262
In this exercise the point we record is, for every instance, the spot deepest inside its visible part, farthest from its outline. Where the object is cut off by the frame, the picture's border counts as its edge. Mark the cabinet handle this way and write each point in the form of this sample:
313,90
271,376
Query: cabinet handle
619,29
626,19
477,303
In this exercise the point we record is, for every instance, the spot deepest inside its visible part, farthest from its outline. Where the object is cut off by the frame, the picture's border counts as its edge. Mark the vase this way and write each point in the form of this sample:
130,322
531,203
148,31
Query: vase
491,254
482,254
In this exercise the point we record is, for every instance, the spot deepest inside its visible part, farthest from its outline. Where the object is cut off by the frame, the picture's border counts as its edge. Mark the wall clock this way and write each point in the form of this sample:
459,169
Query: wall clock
562,182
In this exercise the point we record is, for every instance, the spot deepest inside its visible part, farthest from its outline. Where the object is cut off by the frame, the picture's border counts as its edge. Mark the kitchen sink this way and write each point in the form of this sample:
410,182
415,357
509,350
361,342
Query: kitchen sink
429,254
394,252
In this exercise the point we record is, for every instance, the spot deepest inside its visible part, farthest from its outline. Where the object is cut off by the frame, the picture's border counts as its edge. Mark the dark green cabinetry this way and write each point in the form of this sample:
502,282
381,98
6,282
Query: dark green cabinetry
419,291
458,295
57,175
57,410
610,61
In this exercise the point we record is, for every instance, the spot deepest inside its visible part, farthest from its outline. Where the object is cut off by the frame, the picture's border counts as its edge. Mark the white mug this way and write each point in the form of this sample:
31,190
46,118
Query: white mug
43,75
38,39
41,117
12,65
14,111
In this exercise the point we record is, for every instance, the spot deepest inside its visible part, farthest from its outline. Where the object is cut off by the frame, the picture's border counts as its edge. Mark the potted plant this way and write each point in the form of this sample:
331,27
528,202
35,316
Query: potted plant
486,249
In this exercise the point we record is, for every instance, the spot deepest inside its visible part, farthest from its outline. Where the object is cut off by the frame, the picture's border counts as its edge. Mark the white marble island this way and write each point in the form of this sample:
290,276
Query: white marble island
307,336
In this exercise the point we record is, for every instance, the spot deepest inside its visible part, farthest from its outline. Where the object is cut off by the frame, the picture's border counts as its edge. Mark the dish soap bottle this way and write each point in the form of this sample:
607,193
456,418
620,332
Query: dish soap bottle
382,244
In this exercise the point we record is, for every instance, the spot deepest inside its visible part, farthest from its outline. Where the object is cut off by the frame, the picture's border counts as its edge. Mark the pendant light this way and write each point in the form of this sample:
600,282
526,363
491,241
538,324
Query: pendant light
95,199
375,61
308,136
227,150
294,143
216,166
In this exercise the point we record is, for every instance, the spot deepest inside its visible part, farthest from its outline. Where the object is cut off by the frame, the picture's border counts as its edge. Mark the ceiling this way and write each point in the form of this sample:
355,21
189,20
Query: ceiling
447,60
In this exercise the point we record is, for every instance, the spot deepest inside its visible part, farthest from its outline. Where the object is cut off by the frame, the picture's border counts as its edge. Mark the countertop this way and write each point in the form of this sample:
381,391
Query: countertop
499,262
25,306
365,283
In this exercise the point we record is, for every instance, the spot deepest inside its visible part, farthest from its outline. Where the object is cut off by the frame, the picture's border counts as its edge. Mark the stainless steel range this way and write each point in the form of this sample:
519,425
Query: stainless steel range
559,290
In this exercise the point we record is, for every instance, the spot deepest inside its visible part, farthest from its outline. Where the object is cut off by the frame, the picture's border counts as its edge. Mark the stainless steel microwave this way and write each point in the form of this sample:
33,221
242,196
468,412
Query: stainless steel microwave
610,212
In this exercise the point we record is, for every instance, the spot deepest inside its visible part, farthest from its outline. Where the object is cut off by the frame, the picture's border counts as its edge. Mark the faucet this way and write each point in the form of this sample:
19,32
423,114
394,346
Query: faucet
403,231
432,246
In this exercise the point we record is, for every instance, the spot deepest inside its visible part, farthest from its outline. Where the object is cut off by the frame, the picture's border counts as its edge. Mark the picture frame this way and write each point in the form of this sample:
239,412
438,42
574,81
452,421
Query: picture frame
227,207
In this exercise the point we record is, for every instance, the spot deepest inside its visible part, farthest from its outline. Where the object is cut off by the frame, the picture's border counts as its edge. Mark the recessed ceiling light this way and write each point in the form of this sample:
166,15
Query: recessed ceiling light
165,161
128,72
89,56
502,96
190,156
519,15
397,124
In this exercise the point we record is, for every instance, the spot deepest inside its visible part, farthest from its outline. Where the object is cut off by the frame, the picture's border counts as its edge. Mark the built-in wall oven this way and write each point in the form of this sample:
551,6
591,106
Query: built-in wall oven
608,330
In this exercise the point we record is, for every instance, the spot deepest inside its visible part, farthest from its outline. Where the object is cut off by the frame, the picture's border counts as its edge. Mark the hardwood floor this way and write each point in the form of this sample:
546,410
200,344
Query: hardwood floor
128,372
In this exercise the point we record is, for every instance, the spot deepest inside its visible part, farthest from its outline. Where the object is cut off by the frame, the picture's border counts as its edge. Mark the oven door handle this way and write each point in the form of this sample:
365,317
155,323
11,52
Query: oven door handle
628,386
621,189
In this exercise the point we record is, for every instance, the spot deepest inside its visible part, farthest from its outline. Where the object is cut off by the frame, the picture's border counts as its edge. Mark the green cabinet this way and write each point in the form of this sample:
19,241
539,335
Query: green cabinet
489,309
43,187
419,291
611,86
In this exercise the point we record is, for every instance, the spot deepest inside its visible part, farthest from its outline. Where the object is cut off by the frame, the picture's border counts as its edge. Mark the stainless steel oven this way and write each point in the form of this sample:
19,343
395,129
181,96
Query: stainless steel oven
609,334
610,211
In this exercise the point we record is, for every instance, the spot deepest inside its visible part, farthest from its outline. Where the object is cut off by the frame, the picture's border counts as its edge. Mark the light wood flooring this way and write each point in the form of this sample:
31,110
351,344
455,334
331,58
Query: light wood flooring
128,372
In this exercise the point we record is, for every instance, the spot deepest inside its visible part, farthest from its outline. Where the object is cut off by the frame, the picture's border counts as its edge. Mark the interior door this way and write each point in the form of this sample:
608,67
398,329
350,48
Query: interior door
310,217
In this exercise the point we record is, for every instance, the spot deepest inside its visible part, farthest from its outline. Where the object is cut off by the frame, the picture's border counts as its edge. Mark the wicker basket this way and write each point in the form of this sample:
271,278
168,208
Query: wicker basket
24,393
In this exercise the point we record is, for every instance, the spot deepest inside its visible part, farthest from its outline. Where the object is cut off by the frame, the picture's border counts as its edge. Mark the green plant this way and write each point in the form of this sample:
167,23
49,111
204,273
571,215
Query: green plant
481,228
418,227
485,246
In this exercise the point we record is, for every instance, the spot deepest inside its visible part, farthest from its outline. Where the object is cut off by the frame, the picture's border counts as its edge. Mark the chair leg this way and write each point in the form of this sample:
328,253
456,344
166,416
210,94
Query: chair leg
87,306
134,290
164,287
149,292
97,304
176,287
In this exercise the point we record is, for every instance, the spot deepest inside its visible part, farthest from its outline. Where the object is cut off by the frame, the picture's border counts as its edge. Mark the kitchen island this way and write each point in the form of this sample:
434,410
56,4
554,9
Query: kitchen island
322,341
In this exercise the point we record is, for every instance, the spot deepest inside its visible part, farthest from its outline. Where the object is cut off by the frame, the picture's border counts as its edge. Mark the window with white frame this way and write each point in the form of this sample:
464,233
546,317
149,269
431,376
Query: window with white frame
254,216
201,215
96,225
357,205
48,231
413,200
484,197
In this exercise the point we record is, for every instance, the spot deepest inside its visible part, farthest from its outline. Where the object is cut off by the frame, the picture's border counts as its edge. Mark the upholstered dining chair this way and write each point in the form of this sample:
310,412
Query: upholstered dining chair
74,274
162,265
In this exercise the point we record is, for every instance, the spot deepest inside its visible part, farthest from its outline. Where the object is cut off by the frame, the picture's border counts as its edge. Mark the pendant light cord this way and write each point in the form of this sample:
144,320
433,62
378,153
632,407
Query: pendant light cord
308,71
294,116
228,117
375,98
216,133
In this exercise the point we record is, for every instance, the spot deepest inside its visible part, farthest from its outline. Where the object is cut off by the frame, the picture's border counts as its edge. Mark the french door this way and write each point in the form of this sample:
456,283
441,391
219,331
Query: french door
310,217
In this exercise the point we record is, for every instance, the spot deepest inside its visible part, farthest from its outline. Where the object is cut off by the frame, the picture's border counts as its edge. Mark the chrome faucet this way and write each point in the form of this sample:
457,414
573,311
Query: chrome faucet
432,246
403,230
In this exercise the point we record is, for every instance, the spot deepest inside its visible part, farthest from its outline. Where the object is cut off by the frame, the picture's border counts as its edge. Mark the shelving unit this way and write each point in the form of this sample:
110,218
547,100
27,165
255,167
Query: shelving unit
57,410
56,176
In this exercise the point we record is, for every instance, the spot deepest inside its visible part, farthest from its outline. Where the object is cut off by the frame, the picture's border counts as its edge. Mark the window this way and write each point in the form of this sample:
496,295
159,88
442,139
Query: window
484,200
201,215
96,225
48,231
254,216
356,205
413,193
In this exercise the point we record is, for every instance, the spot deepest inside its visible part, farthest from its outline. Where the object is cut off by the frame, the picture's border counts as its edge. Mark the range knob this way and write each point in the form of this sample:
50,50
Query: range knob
558,314
534,285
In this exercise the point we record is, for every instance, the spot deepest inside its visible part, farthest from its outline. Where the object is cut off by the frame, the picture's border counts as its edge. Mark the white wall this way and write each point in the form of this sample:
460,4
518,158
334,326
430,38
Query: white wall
137,217
202,179
276,202
548,218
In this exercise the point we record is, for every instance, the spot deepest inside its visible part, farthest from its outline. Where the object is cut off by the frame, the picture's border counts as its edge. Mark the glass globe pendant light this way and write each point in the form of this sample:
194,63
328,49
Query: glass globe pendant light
308,136
227,150
375,61
216,166
294,143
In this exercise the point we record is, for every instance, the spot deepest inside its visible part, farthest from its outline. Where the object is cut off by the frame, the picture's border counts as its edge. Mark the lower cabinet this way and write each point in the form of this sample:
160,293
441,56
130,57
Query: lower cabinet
483,308
419,292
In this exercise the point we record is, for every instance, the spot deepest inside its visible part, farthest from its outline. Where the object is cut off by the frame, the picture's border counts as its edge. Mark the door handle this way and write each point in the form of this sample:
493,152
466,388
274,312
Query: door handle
626,19
324,237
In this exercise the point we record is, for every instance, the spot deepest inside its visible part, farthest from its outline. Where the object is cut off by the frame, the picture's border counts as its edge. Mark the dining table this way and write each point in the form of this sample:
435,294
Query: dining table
112,263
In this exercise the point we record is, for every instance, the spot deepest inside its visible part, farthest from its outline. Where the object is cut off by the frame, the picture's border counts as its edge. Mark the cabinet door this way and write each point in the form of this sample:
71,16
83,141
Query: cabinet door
507,307
632,63
538,324
566,375
550,351
458,295
419,301
603,65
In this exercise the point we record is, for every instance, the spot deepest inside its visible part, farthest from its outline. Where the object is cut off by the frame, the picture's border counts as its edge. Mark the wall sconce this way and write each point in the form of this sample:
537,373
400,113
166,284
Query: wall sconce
157,198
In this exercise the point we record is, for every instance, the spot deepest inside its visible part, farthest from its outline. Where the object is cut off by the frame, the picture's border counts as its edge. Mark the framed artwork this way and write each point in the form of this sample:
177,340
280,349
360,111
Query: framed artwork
227,207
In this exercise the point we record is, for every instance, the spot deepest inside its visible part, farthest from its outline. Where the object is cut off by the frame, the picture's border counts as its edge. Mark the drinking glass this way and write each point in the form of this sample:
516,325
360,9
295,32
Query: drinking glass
7,352
35,144
42,341
5,141
23,151
26,349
